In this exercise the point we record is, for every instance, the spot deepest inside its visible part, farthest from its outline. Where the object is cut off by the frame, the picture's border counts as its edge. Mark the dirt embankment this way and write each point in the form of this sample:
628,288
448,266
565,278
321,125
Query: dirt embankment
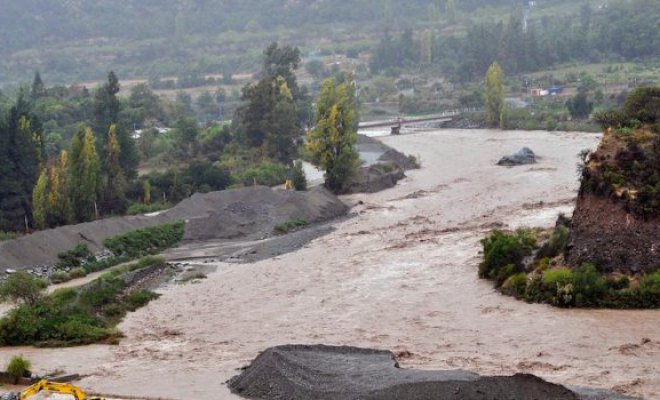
605,234
348,373
248,213
616,223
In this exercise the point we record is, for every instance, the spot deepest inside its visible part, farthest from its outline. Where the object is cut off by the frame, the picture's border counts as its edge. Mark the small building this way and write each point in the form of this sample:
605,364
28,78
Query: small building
538,92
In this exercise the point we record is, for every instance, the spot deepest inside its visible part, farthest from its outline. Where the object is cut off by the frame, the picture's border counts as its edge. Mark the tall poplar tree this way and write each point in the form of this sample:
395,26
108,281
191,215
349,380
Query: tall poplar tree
106,113
494,95
58,196
40,201
113,196
332,142
83,175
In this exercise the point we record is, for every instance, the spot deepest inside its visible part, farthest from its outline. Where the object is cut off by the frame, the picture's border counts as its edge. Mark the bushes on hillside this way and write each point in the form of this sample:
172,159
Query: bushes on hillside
146,241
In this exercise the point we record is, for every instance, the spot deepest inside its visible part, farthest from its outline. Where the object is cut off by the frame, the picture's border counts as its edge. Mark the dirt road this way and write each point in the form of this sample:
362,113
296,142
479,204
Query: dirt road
400,276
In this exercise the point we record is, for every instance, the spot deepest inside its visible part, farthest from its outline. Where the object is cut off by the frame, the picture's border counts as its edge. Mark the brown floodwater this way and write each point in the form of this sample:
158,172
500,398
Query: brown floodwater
401,276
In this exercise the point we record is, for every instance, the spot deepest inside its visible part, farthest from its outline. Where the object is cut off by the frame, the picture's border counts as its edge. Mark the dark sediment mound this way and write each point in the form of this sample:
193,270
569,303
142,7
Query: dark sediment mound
41,248
253,212
383,167
524,156
374,178
249,213
348,373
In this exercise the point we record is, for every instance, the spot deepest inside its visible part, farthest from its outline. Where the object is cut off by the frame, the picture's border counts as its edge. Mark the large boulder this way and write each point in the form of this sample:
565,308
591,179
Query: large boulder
523,157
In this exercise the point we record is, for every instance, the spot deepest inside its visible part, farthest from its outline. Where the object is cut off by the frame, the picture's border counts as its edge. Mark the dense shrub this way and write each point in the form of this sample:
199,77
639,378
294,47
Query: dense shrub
267,173
75,257
19,367
555,245
515,285
502,249
588,286
21,287
146,241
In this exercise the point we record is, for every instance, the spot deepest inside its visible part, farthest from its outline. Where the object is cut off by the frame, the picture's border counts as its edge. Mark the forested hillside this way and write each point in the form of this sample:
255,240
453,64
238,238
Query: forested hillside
75,40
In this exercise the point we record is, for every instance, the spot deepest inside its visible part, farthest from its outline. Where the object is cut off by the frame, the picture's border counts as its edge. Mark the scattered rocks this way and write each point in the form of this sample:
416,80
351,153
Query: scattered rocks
524,156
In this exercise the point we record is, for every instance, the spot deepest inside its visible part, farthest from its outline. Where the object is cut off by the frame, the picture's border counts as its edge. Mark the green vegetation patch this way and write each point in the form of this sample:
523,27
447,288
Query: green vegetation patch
7,236
75,316
146,241
140,208
504,254
561,286
288,226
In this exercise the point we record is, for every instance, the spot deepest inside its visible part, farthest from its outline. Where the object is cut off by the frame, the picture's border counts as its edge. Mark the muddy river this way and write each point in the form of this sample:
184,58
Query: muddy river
402,276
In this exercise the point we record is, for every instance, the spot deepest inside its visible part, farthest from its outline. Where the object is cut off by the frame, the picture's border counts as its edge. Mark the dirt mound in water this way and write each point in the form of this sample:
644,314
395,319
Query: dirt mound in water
241,213
346,373
382,167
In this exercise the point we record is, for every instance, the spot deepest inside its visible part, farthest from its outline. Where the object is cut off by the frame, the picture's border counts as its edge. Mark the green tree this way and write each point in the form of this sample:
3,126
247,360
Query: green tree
298,176
282,62
579,106
494,95
106,104
146,102
59,199
40,201
332,142
21,152
107,108
38,88
113,191
83,175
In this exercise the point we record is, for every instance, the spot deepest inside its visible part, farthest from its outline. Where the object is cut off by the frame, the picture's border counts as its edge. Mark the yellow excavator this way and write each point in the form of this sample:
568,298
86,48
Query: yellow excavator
52,387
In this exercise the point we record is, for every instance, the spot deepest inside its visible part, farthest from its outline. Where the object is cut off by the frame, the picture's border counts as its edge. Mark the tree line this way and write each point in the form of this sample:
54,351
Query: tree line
94,174
613,32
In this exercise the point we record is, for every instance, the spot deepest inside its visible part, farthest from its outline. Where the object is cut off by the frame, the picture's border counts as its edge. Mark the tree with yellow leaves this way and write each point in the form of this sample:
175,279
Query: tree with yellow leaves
332,142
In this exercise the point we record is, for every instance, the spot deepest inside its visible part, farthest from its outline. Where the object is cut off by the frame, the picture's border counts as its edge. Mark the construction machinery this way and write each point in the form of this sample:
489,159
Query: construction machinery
51,387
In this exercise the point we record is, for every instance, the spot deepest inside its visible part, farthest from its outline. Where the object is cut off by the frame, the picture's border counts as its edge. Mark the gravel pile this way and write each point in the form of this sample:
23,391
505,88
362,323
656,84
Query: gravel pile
295,372
248,213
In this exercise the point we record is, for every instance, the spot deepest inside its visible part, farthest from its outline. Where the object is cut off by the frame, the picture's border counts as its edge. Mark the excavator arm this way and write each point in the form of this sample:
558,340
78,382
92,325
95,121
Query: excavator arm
54,387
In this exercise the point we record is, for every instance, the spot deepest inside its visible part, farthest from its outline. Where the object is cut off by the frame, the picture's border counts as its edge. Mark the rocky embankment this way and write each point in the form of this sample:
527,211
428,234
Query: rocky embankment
382,167
616,223
606,234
